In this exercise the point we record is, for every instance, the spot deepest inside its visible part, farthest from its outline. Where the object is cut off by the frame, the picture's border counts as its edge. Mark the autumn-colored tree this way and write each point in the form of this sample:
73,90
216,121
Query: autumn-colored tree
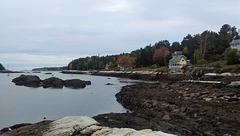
70,66
126,61
160,55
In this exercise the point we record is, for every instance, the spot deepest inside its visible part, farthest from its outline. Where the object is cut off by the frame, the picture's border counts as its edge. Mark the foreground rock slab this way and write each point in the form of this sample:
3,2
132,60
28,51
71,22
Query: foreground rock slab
77,126
53,82
83,125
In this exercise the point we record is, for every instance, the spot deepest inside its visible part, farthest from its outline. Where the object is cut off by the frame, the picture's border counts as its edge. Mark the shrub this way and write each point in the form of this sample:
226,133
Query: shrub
202,62
215,57
231,56
217,64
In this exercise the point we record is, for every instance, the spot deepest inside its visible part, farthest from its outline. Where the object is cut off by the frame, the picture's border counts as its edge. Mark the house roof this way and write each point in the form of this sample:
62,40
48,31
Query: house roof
235,42
176,59
178,52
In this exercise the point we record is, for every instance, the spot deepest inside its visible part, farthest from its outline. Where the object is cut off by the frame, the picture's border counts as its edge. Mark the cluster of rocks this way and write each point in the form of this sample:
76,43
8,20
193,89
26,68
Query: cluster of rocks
53,82
216,97
77,126
209,93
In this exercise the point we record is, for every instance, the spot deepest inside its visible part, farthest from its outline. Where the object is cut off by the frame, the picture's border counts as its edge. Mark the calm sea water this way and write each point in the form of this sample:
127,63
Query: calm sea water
19,104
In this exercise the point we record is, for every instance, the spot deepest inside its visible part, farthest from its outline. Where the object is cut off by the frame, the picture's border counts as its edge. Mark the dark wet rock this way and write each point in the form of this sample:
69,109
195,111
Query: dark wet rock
48,73
233,99
86,82
37,129
109,84
6,129
123,120
28,80
76,83
53,82
19,125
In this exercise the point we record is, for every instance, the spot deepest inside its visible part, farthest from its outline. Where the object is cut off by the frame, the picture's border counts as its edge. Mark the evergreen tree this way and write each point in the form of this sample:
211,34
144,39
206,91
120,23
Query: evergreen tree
226,35
176,46
1,67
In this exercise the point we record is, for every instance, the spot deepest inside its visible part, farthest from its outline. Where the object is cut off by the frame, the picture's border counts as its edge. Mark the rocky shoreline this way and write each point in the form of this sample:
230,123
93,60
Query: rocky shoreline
206,106
194,74
184,107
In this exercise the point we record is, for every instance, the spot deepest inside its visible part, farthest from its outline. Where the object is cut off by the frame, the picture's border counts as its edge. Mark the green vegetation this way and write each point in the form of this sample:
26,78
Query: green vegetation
1,67
206,49
231,56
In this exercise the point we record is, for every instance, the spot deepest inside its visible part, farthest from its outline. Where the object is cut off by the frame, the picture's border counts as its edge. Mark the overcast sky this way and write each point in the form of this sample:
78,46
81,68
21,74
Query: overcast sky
36,33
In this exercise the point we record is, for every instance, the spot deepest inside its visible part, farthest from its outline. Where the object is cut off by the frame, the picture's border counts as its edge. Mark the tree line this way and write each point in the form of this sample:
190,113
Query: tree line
205,47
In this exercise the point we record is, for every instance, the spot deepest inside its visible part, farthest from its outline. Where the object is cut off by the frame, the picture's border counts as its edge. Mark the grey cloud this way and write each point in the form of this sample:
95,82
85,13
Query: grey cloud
76,28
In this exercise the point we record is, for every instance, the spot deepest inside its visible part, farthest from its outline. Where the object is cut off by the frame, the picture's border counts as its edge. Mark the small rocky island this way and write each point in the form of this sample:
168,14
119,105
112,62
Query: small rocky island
53,82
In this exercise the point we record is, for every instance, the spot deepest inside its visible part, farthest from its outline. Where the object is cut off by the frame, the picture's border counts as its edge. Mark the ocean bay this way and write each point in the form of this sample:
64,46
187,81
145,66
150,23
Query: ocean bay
21,104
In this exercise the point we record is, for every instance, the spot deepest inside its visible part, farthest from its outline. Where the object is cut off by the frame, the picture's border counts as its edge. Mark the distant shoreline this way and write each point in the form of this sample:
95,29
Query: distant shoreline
194,74
9,71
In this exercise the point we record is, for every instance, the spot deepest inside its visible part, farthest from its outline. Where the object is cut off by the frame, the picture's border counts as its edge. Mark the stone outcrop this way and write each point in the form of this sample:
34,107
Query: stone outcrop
76,83
29,81
53,82
78,126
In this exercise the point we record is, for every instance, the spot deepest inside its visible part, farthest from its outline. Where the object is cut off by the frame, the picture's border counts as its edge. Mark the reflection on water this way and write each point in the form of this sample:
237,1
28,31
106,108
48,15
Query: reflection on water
19,104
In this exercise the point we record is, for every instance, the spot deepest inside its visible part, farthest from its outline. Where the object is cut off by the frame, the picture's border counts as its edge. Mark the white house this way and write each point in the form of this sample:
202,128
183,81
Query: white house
235,44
